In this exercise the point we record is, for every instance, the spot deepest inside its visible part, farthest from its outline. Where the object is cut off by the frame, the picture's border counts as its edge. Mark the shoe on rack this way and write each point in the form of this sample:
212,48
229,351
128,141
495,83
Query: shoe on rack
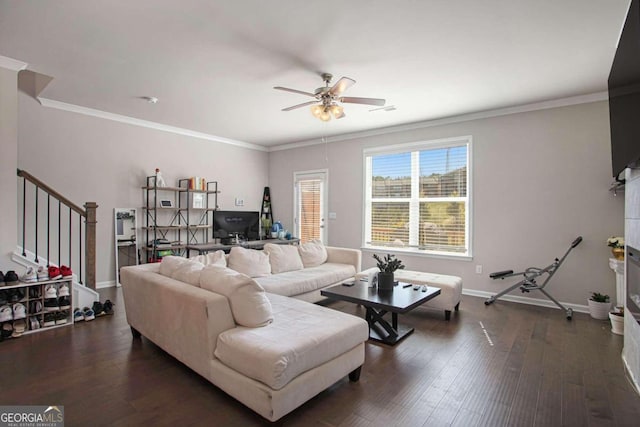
11,278
1,278
61,317
35,307
30,276
7,330
33,323
49,320
98,309
64,303
6,313
4,297
51,304
108,307
19,326
66,272
78,315
50,291
88,314
19,311
15,295
54,273
63,290
34,292
42,274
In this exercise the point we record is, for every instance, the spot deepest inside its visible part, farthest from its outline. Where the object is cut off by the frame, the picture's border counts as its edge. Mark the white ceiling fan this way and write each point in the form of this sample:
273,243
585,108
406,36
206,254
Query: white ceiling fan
326,98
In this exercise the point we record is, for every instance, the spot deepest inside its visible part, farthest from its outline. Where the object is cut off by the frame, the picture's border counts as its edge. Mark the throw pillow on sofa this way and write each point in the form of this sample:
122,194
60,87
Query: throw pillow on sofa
249,304
251,262
283,258
312,253
188,272
216,258
169,264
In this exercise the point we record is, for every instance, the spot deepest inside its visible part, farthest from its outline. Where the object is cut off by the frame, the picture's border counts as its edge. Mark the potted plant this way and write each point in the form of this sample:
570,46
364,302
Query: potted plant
387,266
599,305
617,320
617,247
266,226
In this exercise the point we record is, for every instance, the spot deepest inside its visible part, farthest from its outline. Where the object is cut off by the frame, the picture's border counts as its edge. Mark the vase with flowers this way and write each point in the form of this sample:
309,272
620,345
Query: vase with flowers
617,247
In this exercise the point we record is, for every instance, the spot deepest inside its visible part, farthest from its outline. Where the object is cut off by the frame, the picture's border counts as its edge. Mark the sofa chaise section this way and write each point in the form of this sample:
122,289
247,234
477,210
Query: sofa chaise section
306,348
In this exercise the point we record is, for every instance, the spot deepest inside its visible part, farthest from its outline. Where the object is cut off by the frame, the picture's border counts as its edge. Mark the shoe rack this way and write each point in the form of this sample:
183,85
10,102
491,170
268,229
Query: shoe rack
37,318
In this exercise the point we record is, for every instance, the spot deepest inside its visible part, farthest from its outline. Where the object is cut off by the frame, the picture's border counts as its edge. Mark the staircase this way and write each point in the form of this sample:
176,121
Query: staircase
55,231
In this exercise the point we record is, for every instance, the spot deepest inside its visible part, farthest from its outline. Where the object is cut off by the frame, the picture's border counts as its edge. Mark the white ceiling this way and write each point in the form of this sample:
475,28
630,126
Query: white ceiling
213,64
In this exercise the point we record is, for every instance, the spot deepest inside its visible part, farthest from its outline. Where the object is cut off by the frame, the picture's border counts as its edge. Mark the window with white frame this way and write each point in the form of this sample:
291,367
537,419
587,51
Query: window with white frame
417,197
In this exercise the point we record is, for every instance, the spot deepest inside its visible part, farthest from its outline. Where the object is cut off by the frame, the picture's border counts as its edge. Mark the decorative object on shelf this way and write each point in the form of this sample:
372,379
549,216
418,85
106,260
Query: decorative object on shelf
599,306
276,228
159,181
617,320
387,267
617,247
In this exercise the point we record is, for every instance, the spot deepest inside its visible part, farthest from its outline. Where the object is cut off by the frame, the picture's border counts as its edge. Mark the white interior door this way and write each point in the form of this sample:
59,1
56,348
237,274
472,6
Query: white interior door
310,205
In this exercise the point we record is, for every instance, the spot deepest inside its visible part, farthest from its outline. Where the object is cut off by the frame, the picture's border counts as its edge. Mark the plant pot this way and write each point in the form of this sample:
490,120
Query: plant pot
385,281
617,323
599,310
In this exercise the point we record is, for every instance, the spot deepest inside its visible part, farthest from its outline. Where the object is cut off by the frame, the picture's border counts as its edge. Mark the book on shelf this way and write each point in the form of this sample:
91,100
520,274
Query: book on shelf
197,183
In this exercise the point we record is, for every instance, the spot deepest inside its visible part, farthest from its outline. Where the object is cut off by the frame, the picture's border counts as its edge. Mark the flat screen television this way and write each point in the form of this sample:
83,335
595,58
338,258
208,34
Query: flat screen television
624,95
244,224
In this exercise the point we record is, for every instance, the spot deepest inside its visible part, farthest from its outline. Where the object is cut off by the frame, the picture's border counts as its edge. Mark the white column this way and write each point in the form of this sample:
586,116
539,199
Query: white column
618,268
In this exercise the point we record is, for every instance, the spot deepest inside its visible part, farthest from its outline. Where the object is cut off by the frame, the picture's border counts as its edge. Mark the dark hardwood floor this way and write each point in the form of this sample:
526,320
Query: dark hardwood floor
507,364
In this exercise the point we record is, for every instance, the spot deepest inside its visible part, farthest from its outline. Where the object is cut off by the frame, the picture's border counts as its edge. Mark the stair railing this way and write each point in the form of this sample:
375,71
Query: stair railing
60,231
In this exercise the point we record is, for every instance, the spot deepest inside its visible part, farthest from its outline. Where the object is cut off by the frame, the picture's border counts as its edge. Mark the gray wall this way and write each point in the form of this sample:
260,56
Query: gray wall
539,180
93,159
8,163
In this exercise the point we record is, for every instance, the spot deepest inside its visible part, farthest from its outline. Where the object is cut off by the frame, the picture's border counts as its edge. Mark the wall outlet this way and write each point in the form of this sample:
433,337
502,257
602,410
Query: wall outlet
332,215
478,269
239,201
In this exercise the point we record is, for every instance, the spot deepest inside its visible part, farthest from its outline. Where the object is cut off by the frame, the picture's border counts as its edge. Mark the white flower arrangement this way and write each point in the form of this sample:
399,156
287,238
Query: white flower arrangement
615,242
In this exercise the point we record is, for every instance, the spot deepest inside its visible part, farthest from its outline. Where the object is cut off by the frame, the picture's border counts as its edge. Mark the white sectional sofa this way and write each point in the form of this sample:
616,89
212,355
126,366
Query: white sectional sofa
271,352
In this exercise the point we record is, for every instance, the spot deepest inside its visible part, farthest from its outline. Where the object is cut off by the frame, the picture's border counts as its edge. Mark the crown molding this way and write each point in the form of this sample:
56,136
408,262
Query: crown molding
50,103
556,103
12,64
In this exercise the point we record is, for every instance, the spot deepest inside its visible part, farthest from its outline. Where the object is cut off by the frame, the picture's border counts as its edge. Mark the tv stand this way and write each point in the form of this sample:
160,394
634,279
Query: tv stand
204,248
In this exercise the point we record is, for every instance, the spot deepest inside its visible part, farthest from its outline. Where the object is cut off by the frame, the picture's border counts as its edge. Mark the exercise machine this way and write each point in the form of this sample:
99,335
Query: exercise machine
530,275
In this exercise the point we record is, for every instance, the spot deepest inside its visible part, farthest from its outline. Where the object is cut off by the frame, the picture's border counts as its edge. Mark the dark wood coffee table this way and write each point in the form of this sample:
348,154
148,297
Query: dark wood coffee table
400,300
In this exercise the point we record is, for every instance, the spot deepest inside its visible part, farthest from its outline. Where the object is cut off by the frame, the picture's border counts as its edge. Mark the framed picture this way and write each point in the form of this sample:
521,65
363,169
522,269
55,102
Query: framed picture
199,201
166,203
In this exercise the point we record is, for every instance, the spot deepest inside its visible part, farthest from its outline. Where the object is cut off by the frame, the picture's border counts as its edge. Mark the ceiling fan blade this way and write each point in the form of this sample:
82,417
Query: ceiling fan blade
368,101
304,104
301,92
341,85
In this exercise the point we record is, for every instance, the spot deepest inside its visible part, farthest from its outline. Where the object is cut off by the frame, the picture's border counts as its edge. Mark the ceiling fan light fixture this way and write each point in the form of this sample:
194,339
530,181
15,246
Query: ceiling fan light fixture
337,111
325,116
317,110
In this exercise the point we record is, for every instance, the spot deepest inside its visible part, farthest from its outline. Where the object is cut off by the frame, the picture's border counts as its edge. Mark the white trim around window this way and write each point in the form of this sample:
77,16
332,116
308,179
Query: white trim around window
418,198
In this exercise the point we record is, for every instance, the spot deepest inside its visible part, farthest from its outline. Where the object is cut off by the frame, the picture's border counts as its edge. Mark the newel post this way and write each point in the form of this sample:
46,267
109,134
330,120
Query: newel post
90,244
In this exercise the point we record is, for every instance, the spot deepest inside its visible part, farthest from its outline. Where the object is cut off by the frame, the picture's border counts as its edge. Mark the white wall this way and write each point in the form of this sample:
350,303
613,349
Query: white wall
93,159
8,164
539,180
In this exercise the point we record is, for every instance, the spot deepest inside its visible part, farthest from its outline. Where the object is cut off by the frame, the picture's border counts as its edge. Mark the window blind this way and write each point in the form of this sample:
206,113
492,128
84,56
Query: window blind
417,198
